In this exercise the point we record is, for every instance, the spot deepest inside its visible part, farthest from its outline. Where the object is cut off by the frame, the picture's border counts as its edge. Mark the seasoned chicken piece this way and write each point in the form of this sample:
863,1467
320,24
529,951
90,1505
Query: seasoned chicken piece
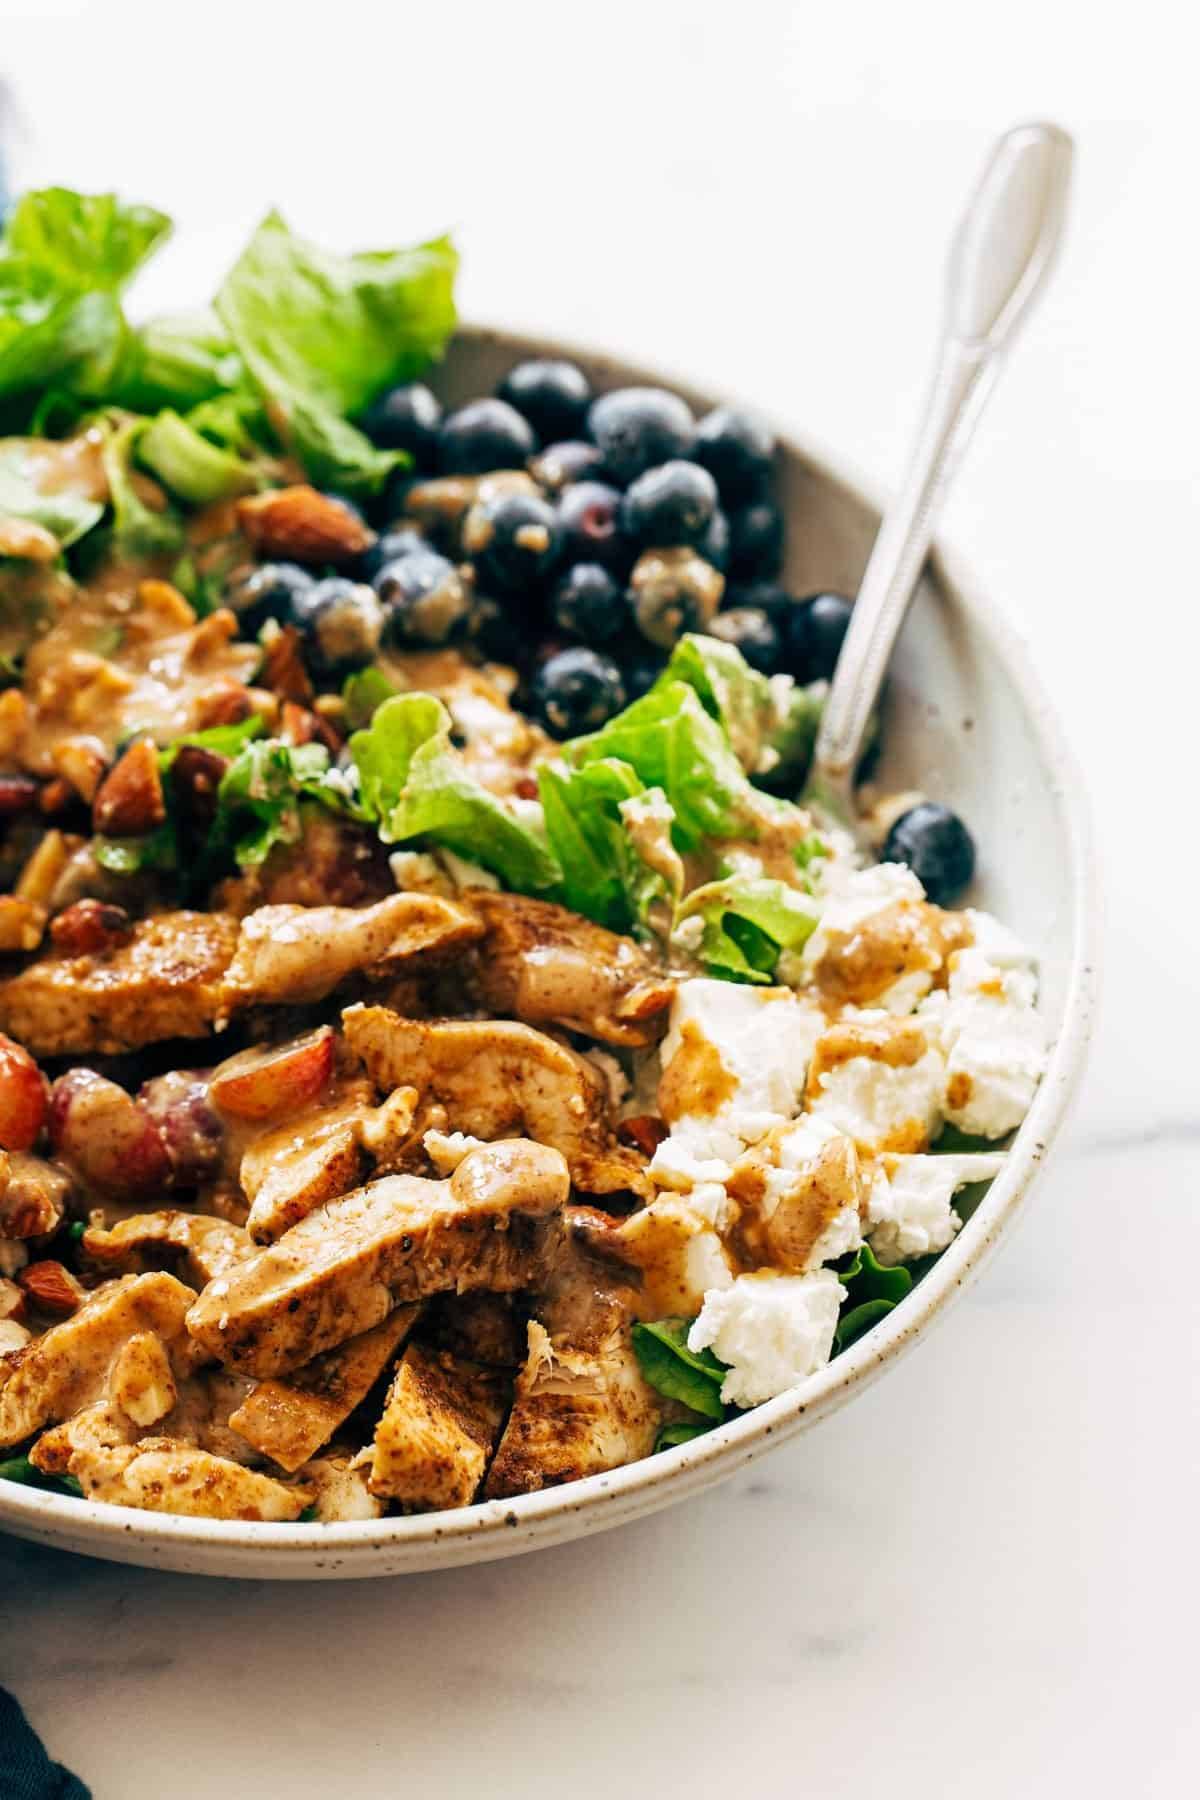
33,1195
344,1268
160,1474
210,1246
164,982
493,1078
141,1381
547,966
486,1328
340,1488
334,863
438,1429
68,1366
207,1401
289,1172
578,1410
298,954
289,1420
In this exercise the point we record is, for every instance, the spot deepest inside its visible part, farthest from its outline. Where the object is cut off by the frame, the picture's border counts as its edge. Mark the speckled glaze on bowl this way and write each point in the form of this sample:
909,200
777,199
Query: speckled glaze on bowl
966,720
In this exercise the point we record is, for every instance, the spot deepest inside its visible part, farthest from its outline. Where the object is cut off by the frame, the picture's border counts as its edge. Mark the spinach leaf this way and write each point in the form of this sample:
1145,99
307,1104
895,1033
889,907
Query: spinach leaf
872,1290
693,1377
413,783
679,1433
19,1468
322,334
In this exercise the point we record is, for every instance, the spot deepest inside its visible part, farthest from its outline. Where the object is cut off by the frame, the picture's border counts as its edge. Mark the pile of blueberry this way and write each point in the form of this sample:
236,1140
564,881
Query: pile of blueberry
575,535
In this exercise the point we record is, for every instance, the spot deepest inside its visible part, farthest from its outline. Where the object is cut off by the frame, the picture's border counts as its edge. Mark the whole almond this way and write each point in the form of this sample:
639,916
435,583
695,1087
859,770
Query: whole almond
52,1288
303,525
130,800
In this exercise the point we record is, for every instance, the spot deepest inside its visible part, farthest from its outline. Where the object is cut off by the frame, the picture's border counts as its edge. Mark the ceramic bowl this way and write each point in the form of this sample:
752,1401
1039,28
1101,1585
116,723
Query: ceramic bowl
967,722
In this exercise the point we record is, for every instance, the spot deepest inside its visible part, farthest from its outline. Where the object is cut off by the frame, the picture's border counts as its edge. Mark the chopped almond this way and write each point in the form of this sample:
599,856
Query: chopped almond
82,763
22,923
304,525
90,925
40,875
283,667
130,801
52,1288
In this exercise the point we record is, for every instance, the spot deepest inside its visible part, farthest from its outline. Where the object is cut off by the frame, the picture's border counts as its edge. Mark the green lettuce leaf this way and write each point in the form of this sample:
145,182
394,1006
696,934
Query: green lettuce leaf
67,516
792,739
190,464
672,743
137,531
677,1432
737,696
748,921
64,259
260,795
322,334
415,784
603,877
693,1377
363,693
872,1290
177,361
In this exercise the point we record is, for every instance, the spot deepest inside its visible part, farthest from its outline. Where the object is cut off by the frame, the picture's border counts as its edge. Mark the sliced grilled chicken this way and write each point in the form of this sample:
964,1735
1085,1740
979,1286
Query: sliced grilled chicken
210,1247
165,982
289,1420
579,1409
33,1195
547,966
343,1269
298,954
160,1474
68,1366
340,1488
494,1078
438,1429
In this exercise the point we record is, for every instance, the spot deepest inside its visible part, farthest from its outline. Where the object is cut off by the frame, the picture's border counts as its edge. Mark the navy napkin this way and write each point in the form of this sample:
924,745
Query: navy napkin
26,1772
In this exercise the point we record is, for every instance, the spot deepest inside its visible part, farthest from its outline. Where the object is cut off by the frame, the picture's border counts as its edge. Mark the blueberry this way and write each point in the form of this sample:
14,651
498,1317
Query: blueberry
641,666
674,591
673,504
390,546
755,541
343,622
823,625
424,598
560,464
577,690
637,428
554,396
589,514
937,847
268,591
406,418
751,631
737,452
714,545
482,436
514,541
590,604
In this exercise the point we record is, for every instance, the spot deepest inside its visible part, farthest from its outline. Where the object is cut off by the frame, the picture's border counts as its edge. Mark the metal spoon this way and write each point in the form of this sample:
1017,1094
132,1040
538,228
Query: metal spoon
1001,256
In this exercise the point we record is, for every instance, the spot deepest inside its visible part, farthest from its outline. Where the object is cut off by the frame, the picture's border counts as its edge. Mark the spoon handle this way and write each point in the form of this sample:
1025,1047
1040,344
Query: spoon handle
1002,253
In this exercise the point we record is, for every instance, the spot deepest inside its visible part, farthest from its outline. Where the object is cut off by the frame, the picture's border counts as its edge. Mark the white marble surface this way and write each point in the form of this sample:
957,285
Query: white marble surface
981,1577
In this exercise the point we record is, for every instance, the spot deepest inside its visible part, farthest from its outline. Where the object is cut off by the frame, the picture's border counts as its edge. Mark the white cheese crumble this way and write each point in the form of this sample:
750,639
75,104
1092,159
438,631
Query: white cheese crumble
446,1149
908,1208
990,1032
797,1151
854,896
466,874
761,1042
879,1105
681,1257
773,1331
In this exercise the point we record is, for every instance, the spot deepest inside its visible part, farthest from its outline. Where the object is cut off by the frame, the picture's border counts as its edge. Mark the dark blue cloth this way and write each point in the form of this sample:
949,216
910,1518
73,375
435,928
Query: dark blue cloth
26,1772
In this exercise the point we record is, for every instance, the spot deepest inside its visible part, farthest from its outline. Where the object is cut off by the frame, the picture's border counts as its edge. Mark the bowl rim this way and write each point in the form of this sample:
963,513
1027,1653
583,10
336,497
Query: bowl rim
493,1527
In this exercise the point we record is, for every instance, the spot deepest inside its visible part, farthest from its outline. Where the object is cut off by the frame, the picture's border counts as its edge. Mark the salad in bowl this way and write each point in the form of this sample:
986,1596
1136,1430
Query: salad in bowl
441,1057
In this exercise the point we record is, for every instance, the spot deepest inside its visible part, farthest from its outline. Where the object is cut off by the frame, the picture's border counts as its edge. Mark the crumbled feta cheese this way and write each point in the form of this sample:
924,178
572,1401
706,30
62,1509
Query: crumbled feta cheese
446,1149
990,1032
881,1102
466,874
854,896
734,1063
803,1183
415,872
773,1331
680,1256
674,1165
908,1208
527,812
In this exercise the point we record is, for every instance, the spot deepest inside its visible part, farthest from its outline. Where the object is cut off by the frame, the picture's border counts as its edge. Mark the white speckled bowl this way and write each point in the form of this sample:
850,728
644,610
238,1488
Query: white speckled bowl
967,722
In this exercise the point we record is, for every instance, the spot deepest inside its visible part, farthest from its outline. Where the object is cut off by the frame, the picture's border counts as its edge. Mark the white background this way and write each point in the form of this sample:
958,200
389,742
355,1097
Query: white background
981,1578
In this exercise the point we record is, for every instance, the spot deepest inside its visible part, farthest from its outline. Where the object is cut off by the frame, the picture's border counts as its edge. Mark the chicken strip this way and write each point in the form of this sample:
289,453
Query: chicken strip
68,1366
210,1246
579,1409
165,982
160,1474
548,966
438,1429
33,1195
344,1268
298,954
289,1420
494,1078
340,1488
